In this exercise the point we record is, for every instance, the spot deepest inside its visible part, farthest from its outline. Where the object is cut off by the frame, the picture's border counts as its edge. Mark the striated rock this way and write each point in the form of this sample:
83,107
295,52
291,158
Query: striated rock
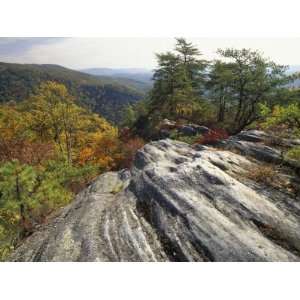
193,129
259,136
257,150
252,136
100,225
252,143
166,126
176,204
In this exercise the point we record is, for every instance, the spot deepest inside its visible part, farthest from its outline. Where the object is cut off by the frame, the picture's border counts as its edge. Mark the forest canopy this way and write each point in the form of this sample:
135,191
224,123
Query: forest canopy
103,95
50,148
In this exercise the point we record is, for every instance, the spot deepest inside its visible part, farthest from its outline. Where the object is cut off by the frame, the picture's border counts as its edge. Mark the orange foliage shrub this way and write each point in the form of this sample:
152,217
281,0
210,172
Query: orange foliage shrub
101,152
111,153
213,136
125,134
27,152
129,150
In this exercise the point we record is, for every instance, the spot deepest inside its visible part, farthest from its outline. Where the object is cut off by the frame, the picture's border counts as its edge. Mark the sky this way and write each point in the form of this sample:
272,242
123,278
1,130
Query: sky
81,53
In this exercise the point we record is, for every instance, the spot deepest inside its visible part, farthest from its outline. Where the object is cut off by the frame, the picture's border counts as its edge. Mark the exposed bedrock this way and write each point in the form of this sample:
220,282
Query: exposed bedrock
175,204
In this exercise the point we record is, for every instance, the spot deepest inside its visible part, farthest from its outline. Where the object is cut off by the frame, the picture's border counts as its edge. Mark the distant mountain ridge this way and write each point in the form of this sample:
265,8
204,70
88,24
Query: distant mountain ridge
291,70
294,69
112,71
141,78
104,95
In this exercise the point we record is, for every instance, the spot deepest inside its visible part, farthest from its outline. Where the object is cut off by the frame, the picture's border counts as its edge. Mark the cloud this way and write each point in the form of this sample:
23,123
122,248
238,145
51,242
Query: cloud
98,52
19,46
79,53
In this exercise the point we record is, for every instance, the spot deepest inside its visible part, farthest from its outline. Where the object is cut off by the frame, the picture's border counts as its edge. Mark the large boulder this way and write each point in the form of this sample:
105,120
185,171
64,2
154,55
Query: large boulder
193,129
252,136
259,151
253,143
167,124
259,136
176,204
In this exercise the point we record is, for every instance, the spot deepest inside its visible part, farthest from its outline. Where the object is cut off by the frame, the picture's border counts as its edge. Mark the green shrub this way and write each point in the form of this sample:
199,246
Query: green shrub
294,153
29,194
175,135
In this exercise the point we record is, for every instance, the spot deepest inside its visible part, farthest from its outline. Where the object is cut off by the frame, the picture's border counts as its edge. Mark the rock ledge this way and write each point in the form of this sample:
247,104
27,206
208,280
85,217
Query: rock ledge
176,204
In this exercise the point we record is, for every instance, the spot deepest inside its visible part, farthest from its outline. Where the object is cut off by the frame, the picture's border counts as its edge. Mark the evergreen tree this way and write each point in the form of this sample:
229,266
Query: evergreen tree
245,79
16,185
178,82
194,67
220,77
28,193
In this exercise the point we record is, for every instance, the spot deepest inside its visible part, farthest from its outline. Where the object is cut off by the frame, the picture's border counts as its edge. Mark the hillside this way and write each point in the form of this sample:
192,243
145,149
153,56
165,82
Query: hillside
103,95
180,203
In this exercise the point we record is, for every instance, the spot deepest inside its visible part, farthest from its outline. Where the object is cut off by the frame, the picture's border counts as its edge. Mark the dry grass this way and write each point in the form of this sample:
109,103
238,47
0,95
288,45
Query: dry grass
271,176
263,174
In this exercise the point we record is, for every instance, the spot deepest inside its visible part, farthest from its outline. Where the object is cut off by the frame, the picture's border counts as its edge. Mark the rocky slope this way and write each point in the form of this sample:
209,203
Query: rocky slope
177,203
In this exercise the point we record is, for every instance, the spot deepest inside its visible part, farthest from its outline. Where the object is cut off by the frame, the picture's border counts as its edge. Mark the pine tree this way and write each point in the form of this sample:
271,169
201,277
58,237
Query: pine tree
252,80
219,87
17,183
178,82
193,66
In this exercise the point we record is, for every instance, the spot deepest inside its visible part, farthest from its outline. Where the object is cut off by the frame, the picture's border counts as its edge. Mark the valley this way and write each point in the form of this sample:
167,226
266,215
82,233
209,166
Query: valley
101,94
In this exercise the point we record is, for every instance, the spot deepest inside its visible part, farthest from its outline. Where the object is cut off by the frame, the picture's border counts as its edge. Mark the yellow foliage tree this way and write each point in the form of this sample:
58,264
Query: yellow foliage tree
55,116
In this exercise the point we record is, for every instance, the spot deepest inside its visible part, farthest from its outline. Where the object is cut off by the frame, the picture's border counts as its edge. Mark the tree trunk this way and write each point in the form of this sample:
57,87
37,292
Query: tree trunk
22,208
221,113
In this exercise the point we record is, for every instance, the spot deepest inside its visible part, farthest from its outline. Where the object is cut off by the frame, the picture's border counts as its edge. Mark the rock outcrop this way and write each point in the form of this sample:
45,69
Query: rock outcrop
177,203
192,129
166,127
255,148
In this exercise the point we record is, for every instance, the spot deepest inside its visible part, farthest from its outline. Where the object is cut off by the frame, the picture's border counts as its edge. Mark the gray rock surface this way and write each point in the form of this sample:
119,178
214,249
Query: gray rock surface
164,133
187,130
257,150
167,124
175,204
253,143
193,129
252,136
